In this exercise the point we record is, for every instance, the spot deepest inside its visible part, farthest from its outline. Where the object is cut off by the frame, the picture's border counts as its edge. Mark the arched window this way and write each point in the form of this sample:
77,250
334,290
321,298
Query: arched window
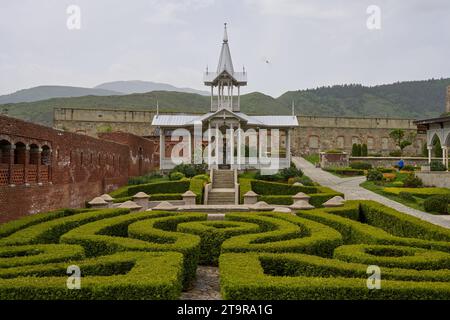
46,156
385,143
19,153
5,151
356,140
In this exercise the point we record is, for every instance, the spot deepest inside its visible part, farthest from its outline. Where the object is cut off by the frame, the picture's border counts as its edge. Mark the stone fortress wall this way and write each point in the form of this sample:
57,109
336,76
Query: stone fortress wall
315,134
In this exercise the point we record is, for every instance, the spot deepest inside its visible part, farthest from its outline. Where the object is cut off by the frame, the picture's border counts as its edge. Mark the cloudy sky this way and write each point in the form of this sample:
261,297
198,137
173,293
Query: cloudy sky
284,44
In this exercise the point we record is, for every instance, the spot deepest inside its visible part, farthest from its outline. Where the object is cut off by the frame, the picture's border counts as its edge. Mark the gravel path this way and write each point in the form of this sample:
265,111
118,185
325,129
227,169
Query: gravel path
352,191
206,285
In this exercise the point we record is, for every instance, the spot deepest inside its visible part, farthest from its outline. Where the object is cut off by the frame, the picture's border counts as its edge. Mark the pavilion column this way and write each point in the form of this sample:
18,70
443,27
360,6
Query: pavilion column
445,156
190,147
11,163
217,144
239,98
162,149
231,144
209,145
212,97
239,146
288,146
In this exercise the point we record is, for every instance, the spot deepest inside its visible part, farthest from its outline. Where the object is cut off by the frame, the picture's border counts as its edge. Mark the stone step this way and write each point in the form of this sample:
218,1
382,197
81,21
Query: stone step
220,202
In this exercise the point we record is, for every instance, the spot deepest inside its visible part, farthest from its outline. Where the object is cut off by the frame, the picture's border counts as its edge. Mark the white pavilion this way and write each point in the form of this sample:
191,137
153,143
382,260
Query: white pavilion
225,137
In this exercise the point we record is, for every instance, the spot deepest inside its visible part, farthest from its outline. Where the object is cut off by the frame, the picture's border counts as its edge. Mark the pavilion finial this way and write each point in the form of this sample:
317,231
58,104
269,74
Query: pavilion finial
225,34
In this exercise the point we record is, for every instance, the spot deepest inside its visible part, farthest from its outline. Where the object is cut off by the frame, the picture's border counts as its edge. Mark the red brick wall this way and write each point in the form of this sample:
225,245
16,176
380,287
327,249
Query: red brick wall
142,151
81,167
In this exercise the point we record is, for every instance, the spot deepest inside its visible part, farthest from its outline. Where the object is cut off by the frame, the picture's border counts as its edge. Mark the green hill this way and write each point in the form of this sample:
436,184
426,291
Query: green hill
415,99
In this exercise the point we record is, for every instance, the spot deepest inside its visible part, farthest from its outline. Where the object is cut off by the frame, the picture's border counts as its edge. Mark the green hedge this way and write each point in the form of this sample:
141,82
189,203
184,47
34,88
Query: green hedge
283,233
123,276
142,231
162,187
247,276
213,234
197,186
274,188
317,199
50,231
346,171
354,232
418,192
12,226
394,256
38,254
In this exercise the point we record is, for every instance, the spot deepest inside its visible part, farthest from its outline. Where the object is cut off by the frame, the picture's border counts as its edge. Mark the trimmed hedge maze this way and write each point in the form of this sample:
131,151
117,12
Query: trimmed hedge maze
316,254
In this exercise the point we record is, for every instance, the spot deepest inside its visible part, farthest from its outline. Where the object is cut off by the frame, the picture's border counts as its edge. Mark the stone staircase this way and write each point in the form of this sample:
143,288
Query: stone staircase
223,188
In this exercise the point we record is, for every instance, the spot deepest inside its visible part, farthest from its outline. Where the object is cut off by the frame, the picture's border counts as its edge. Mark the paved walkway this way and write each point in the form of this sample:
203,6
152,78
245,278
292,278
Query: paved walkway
206,285
352,191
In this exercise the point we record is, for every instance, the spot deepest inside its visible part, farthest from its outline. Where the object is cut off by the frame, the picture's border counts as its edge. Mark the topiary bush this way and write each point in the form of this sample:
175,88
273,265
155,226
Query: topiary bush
437,204
360,165
374,175
407,196
412,181
175,176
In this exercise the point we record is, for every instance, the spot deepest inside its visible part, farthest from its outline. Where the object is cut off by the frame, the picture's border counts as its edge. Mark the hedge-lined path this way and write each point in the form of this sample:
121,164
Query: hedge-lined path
352,191
206,285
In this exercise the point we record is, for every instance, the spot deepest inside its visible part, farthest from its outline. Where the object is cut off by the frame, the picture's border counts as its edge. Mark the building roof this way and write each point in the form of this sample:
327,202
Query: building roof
225,66
186,120
441,119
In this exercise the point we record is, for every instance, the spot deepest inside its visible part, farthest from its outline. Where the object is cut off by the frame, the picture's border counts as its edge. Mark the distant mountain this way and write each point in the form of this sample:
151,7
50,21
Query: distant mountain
411,99
414,99
137,86
48,92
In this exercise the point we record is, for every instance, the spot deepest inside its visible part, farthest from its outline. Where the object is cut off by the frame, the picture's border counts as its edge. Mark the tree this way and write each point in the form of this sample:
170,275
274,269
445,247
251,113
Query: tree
364,151
400,138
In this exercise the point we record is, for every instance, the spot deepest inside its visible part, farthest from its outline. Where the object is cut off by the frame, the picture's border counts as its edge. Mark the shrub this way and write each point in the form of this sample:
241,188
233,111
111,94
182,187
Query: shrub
437,204
437,166
409,168
144,179
306,181
398,183
395,153
360,165
213,234
364,151
291,172
419,192
407,196
175,176
190,170
274,188
197,186
160,187
412,181
122,276
356,150
317,199
374,175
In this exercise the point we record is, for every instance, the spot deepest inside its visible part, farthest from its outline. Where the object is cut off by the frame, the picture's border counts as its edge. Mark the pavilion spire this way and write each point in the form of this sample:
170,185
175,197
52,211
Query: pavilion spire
225,61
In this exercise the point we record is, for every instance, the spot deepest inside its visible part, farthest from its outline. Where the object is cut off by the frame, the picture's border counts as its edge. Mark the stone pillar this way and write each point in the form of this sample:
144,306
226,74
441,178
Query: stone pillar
189,198
25,165
141,199
38,166
250,198
11,163
212,97
444,155
430,149
162,147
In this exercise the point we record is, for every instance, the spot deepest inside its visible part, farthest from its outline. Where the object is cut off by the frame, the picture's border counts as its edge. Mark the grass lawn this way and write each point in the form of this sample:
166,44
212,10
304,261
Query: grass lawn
313,158
370,185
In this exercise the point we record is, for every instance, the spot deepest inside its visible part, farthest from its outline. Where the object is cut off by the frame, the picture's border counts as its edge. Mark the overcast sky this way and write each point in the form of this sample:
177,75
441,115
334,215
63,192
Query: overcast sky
284,44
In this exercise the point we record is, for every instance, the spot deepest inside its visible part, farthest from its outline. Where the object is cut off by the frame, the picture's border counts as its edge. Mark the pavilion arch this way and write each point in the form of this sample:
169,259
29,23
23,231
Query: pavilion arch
5,151
433,137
